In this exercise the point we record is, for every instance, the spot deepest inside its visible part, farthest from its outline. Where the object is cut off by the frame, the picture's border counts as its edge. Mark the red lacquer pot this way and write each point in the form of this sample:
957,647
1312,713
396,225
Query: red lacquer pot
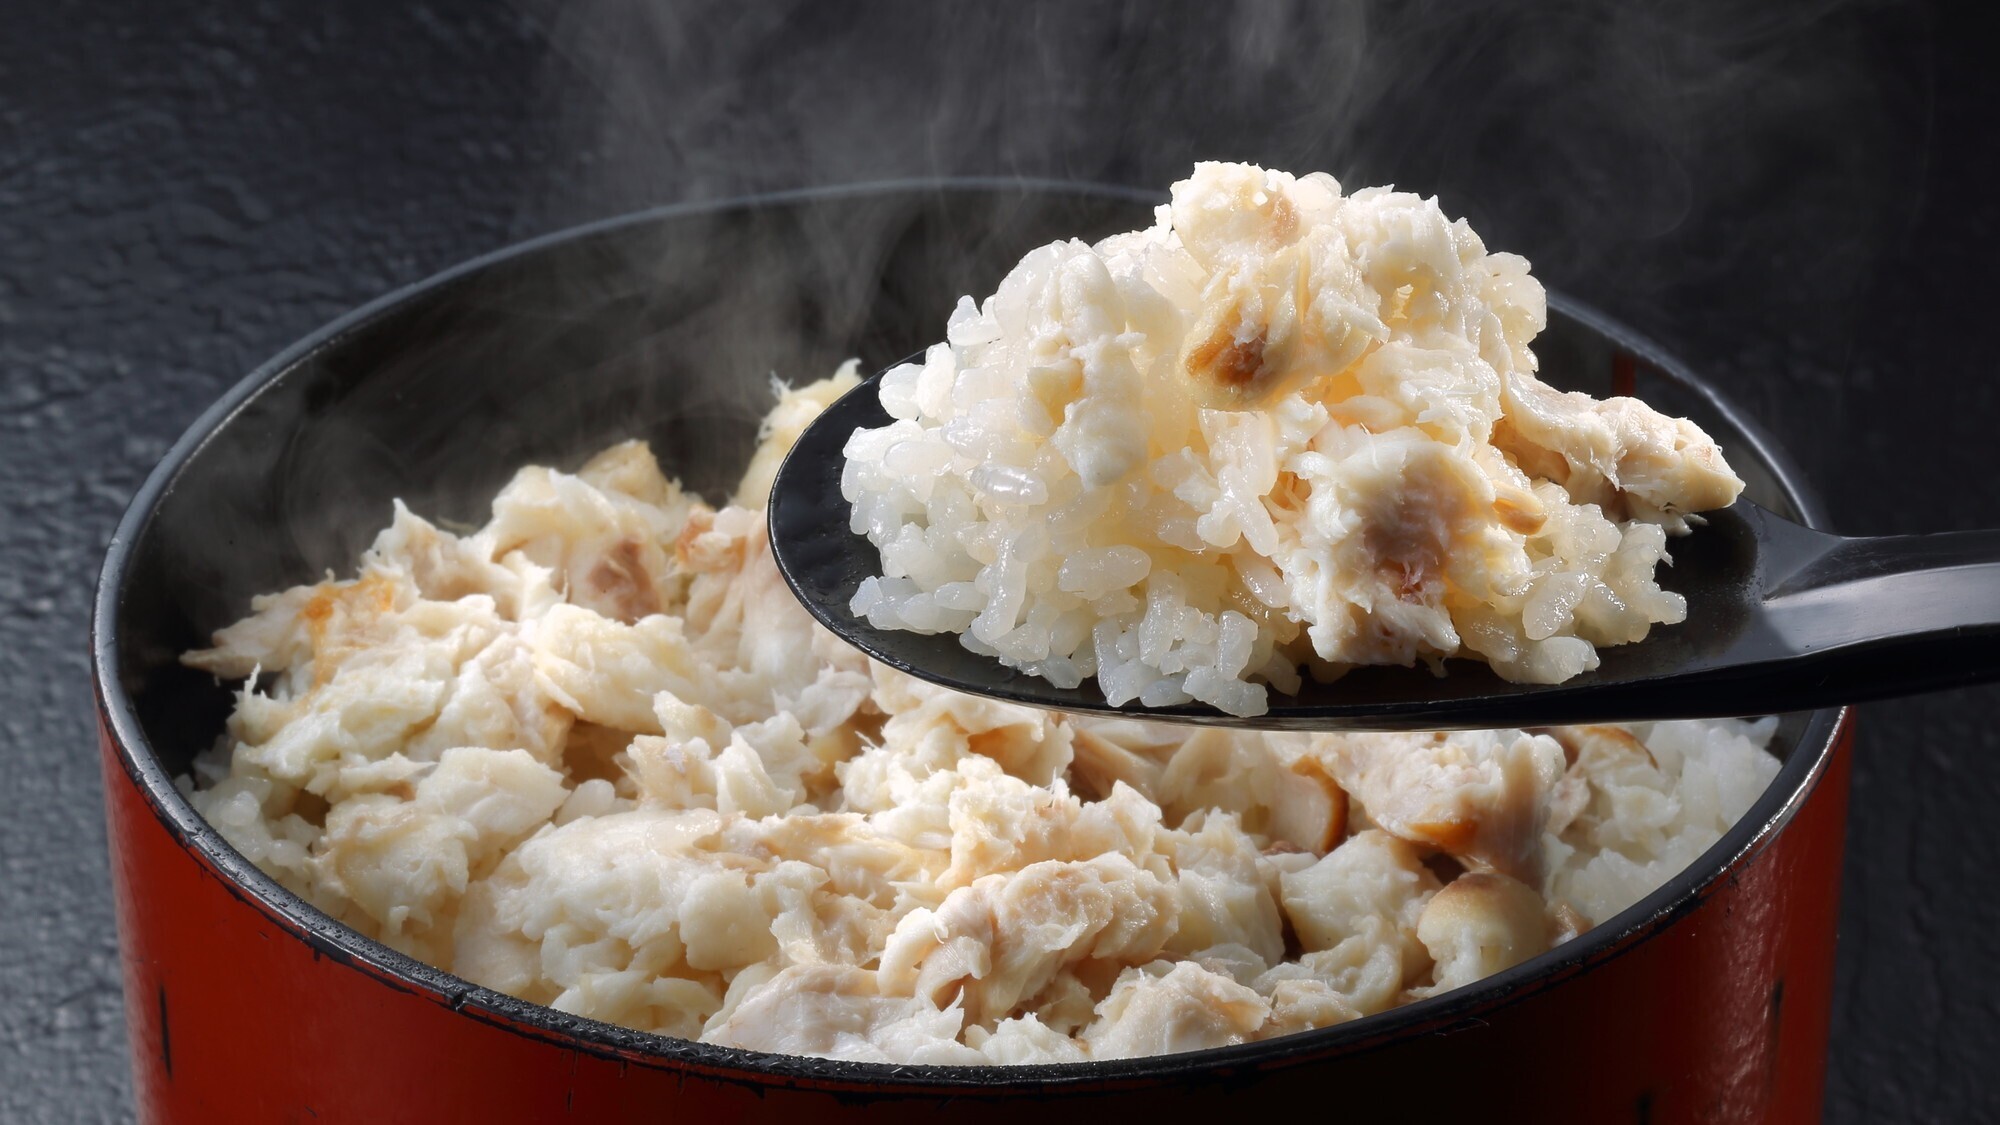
1706,1002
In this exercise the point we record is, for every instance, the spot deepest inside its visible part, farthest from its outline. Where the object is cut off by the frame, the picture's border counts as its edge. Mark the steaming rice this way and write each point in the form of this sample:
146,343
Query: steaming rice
1281,426
595,756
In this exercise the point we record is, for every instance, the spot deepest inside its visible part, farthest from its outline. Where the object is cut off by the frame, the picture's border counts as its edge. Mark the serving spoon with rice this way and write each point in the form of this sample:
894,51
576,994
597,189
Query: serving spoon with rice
1780,618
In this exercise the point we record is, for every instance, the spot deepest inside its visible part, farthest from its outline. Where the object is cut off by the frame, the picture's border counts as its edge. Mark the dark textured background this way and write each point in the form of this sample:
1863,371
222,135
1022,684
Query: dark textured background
1796,196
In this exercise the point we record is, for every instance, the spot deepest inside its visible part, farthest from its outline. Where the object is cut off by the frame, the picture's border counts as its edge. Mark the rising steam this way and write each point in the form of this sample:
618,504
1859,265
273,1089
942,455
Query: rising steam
1680,162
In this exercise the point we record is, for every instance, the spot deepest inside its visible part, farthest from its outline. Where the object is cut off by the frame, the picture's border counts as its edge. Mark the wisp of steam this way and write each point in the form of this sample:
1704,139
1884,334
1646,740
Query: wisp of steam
1683,164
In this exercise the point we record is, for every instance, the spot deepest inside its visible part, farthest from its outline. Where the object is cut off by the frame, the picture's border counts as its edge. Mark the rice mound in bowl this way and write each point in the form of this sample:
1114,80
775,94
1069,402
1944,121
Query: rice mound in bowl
1283,427
595,756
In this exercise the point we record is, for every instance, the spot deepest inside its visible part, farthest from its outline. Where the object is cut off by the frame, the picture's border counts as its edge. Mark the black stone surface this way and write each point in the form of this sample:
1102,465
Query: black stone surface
1795,197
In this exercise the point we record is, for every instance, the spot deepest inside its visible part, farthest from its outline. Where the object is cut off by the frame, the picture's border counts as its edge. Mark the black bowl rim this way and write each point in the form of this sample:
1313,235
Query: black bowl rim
1619,935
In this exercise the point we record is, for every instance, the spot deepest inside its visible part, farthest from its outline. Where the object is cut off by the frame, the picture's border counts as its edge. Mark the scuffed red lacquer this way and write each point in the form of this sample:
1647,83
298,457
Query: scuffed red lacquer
1719,1013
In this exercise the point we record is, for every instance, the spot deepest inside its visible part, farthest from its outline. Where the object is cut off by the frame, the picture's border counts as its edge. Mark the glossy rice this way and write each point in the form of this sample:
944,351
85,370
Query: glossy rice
1284,428
595,756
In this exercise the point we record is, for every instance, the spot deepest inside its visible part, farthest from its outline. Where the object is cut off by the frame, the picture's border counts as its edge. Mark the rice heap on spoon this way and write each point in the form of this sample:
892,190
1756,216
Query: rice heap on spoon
1283,427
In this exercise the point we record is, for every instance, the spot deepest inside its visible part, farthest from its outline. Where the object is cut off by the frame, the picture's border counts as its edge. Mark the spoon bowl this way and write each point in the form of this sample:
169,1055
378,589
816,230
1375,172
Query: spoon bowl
1780,617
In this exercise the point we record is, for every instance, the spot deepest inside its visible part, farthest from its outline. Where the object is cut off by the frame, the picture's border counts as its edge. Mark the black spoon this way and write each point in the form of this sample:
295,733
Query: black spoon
1780,618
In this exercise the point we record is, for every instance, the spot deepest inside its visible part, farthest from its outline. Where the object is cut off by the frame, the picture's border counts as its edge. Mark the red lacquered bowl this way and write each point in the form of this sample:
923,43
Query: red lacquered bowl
1708,1001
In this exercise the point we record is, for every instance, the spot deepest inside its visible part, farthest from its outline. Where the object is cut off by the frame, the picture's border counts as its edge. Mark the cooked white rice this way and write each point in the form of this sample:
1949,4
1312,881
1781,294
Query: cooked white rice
595,756
1282,427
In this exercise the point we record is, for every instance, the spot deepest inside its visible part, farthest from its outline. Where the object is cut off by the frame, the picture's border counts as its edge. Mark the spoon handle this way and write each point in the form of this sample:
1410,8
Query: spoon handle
1894,615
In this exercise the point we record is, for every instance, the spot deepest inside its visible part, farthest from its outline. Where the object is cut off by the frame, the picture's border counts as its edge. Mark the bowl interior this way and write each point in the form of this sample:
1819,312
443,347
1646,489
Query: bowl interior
667,327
